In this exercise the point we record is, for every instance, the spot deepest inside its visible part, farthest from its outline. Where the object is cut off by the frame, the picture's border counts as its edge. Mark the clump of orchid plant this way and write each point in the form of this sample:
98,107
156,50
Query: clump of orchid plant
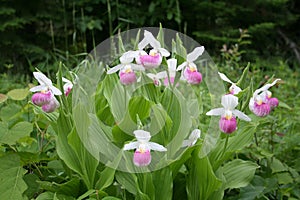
228,113
262,102
143,146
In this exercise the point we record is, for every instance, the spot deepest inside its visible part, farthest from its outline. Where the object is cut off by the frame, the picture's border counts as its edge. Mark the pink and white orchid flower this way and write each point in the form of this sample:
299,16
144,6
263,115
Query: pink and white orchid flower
190,72
261,102
233,89
172,64
154,58
156,77
228,113
45,84
142,156
126,68
194,136
67,86
45,93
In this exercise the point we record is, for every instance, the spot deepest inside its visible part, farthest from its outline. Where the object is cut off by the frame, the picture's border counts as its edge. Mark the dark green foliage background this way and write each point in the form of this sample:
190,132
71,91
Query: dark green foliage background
38,33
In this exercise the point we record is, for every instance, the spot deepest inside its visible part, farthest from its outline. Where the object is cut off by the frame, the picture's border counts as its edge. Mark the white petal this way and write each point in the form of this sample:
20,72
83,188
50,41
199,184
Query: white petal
42,79
151,39
142,136
156,147
131,145
229,101
241,115
55,90
161,75
195,134
180,67
163,52
67,86
186,143
251,104
137,67
198,51
224,77
216,112
152,76
235,88
265,87
38,88
115,68
172,63
128,56
66,80
143,43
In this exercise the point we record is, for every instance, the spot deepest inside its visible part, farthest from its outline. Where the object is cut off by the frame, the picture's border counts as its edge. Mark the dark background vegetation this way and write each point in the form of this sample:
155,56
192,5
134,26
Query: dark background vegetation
37,33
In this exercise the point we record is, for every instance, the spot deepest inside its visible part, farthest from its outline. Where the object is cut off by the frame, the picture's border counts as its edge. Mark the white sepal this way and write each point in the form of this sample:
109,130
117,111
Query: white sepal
198,51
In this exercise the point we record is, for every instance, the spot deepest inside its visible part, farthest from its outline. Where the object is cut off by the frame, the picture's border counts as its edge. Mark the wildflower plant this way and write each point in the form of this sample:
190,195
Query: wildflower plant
145,127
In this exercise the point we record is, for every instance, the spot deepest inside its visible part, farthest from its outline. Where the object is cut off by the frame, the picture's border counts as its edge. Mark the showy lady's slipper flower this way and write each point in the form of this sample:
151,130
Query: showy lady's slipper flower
51,106
142,156
127,75
195,135
228,113
45,84
156,77
261,102
154,58
67,86
233,89
190,72
172,64
46,91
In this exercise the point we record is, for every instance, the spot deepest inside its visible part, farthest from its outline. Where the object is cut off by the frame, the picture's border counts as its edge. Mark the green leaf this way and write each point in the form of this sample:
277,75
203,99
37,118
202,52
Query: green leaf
201,180
11,173
88,193
11,135
277,166
106,178
110,198
128,181
3,98
284,178
69,188
18,94
242,81
163,181
10,112
284,105
33,185
53,196
238,173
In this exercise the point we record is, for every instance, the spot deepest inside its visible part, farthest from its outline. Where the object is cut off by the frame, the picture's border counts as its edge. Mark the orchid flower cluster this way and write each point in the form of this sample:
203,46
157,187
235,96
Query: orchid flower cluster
260,104
262,101
139,60
45,92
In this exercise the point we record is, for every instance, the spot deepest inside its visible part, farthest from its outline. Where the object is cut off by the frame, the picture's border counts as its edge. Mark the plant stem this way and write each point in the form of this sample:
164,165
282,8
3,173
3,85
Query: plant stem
225,145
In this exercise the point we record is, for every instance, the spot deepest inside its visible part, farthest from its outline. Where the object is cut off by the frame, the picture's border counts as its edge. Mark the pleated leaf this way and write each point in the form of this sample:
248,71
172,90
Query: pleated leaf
12,184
